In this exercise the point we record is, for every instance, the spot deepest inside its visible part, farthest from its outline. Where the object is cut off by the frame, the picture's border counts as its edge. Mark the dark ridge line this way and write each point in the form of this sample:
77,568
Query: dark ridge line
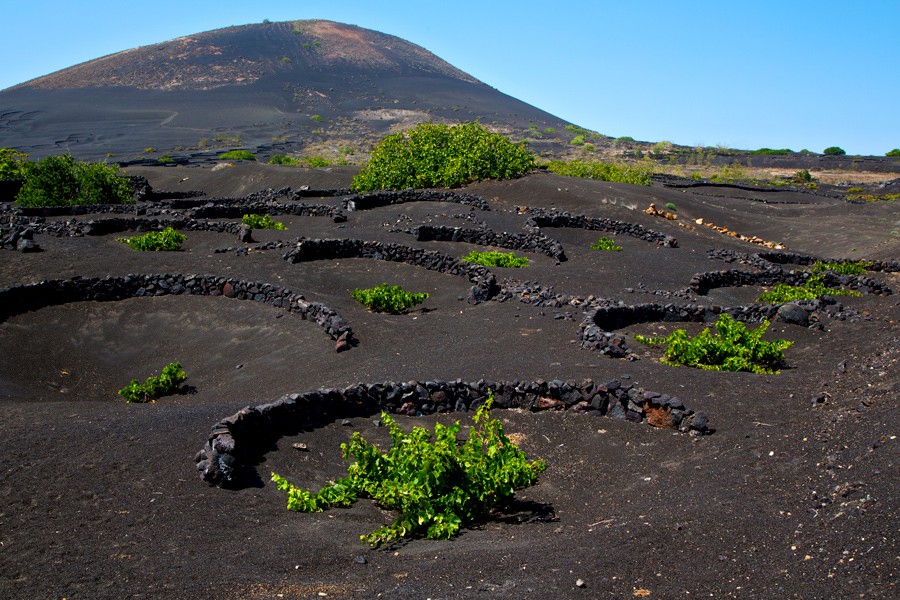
530,241
239,442
683,183
485,283
539,217
23,298
388,198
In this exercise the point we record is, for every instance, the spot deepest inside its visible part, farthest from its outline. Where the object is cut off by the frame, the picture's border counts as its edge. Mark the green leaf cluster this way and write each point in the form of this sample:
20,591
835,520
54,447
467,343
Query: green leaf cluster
237,155
434,155
12,163
843,267
773,152
256,221
155,387
834,151
735,348
813,289
507,260
386,298
606,244
167,239
600,171
283,159
63,181
436,486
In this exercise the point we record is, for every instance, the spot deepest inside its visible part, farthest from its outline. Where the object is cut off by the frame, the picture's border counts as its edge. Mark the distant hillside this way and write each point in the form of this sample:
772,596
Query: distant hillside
304,86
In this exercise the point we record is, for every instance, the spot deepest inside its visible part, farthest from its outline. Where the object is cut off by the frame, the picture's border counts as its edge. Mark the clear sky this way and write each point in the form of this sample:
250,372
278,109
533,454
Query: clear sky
799,74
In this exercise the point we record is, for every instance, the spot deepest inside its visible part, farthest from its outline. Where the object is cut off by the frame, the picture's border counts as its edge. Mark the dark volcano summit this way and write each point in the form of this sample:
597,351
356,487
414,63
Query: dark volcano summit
276,86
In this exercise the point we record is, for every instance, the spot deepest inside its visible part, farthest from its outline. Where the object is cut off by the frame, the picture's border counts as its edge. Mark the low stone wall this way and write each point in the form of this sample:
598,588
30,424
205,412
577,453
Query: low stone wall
26,297
225,211
539,217
526,242
765,260
485,283
387,198
238,442
702,283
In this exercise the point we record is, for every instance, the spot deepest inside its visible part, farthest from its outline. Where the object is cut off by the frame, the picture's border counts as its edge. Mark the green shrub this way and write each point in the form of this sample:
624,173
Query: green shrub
165,159
283,159
600,171
696,175
12,163
844,267
578,140
802,176
735,348
432,155
833,151
262,222
770,151
436,486
237,155
386,298
894,152
155,387
606,244
671,206
317,118
63,181
315,162
496,259
813,289
166,240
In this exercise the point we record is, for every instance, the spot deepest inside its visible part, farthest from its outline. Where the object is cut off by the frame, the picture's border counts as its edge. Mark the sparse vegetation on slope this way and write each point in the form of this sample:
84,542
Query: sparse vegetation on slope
813,289
436,486
156,241
386,298
432,155
496,259
600,171
237,155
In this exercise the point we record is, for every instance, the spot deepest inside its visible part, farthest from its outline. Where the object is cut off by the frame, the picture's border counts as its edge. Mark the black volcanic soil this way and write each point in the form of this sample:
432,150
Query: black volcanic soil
786,499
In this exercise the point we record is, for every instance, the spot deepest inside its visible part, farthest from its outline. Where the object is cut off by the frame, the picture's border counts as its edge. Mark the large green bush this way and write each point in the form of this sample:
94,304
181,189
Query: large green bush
600,171
63,181
433,155
11,163
435,486
894,152
834,151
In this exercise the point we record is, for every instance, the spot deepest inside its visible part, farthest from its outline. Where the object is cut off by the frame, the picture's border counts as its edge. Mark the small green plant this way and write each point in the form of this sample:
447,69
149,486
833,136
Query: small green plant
894,152
149,150
578,140
732,348
316,118
436,486
286,60
606,244
671,206
315,162
600,171
773,152
496,259
844,267
262,222
813,289
237,155
696,175
433,155
283,159
155,387
155,241
386,298
803,176
833,151
165,159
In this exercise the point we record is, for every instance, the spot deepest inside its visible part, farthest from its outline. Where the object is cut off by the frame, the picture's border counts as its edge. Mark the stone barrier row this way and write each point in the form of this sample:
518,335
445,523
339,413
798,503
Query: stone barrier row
765,260
540,217
26,297
534,241
484,282
702,283
388,198
238,442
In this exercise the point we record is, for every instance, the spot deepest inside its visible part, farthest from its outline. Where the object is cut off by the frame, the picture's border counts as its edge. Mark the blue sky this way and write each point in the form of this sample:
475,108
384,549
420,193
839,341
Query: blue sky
781,74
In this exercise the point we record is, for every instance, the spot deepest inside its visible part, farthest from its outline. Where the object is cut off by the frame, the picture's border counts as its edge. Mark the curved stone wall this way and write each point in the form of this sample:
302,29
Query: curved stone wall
238,442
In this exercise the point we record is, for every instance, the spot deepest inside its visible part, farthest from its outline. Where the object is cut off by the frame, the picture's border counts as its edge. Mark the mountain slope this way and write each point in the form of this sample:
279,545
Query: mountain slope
272,86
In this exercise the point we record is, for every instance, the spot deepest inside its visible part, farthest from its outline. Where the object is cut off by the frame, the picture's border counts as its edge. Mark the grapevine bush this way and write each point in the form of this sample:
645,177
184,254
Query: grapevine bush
813,289
496,259
155,387
436,486
63,181
386,298
433,155
606,244
262,222
600,171
735,348
166,240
